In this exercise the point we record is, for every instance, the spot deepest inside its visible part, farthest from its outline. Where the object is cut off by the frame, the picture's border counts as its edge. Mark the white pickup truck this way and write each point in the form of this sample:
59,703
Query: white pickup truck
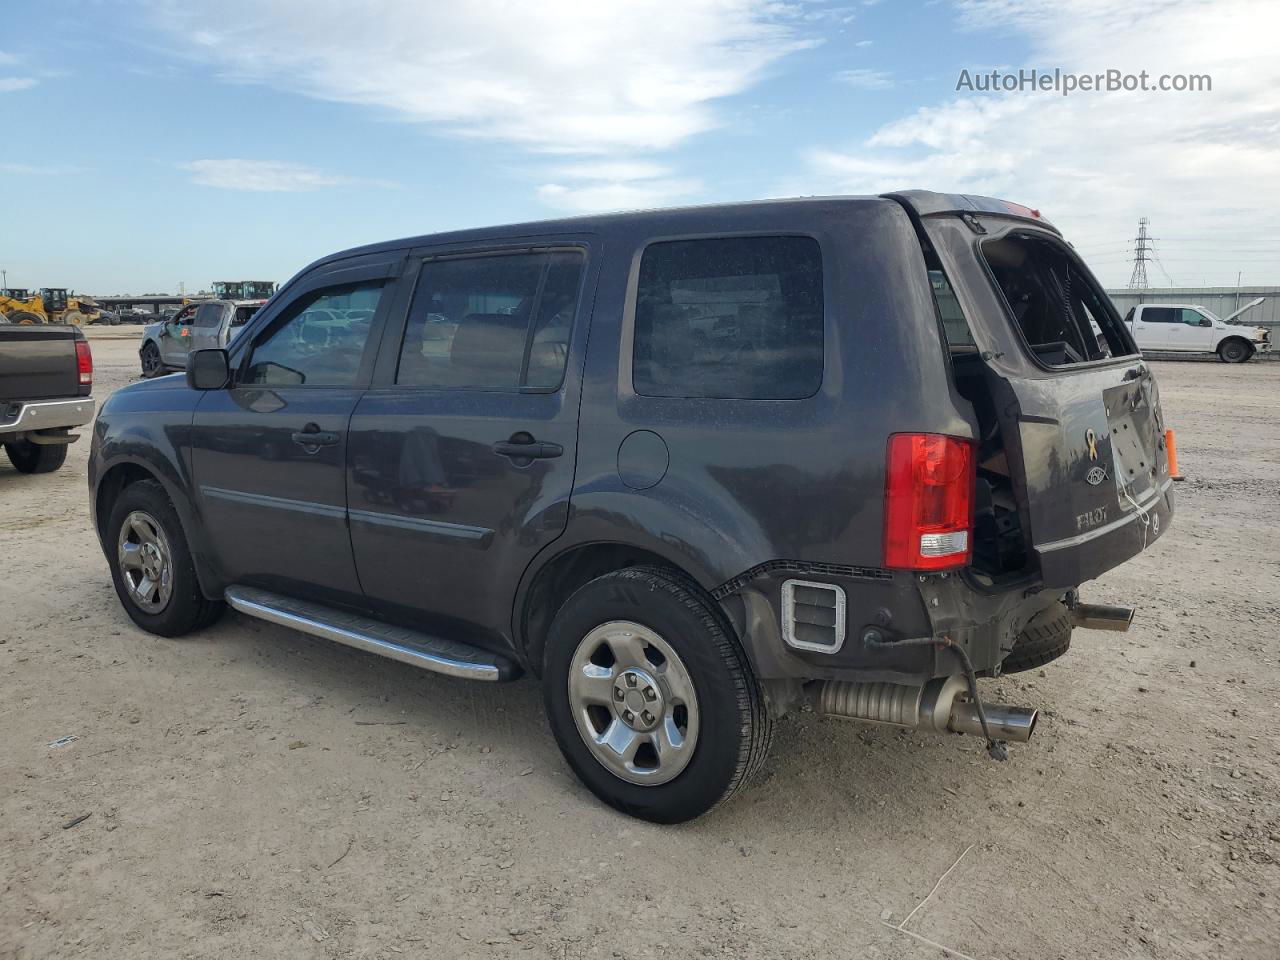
1189,328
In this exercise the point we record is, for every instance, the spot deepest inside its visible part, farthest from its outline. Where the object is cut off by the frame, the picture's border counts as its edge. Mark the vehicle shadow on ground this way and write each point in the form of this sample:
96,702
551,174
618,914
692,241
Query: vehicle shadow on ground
846,770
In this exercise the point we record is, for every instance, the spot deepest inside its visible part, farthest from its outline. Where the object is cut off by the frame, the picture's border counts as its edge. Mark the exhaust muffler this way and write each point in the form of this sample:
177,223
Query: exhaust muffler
1100,616
936,707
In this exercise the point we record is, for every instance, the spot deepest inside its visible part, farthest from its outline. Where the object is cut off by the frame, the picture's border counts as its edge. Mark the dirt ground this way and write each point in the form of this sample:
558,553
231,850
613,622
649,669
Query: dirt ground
252,793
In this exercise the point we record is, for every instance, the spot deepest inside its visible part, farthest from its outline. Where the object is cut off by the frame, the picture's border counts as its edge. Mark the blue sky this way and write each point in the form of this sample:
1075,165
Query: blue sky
209,139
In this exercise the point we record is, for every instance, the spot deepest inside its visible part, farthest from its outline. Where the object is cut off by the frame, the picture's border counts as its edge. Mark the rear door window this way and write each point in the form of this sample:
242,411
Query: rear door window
1160,315
730,318
1062,315
497,322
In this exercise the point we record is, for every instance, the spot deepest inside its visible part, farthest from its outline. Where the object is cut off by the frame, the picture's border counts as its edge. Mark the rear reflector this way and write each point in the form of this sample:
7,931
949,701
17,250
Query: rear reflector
928,502
84,363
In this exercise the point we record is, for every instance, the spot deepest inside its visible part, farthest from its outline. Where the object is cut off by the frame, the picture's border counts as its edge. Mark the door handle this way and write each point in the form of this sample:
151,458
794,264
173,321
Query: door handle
527,449
312,436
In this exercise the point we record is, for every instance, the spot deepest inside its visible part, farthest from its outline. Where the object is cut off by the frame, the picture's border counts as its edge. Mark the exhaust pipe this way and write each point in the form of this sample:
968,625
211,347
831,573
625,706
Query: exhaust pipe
1015,724
1099,616
935,707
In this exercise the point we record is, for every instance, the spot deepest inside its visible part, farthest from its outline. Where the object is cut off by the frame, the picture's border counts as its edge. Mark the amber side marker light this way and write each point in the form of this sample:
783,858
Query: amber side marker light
1171,449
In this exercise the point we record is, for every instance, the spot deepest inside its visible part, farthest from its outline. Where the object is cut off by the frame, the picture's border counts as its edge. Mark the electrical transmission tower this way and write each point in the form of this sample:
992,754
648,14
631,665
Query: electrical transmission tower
1141,255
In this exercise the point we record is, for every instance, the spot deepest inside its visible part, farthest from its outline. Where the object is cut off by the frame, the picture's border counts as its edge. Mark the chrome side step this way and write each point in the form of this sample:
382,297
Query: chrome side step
408,646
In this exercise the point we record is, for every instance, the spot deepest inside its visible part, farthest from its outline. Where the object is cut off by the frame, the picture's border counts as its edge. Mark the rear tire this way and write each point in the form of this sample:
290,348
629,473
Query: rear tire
25,317
28,457
707,699
145,544
1234,350
1046,637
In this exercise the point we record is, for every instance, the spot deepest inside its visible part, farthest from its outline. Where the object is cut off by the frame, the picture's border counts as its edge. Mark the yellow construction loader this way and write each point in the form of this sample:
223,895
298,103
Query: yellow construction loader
16,306
50,305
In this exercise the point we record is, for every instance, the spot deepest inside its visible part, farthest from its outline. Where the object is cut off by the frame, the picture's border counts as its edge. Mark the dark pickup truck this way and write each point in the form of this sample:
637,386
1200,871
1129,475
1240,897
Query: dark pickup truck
46,376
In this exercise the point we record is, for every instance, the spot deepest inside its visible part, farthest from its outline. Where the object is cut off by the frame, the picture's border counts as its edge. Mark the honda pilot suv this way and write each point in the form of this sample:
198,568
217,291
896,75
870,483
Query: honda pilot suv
691,468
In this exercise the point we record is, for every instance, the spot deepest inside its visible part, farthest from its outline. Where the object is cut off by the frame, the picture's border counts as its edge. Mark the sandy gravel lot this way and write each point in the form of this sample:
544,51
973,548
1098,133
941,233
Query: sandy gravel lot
252,793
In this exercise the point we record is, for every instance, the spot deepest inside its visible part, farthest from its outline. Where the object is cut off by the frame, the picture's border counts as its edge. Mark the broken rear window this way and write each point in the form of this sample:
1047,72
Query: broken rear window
1061,313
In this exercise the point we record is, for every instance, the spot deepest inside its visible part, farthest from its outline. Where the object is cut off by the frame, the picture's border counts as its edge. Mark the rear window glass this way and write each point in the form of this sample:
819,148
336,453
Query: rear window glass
730,318
1062,315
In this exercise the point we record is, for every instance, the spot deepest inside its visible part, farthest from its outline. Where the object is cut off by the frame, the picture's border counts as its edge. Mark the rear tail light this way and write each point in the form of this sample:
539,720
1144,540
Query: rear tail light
84,363
928,502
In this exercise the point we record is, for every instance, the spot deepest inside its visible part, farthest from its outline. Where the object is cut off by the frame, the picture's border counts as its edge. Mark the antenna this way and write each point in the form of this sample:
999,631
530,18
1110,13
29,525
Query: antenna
1141,255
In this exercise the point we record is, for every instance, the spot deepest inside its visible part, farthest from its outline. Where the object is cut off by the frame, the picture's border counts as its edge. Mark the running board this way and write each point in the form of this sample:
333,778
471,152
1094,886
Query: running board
399,643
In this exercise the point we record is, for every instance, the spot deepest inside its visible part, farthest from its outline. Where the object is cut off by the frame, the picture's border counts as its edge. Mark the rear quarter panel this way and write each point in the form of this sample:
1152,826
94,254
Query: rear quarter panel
751,481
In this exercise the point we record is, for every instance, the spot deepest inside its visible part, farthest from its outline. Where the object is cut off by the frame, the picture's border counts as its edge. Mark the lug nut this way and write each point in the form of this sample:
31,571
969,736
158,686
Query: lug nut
650,693
628,716
631,679
647,716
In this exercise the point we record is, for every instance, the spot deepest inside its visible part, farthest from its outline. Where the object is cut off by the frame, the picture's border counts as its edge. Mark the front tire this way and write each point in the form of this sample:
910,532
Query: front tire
1234,351
28,457
650,697
151,565
152,365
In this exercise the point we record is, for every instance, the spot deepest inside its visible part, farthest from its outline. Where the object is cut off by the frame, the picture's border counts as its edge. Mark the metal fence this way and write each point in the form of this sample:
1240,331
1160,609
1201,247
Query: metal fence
1223,301
1220,300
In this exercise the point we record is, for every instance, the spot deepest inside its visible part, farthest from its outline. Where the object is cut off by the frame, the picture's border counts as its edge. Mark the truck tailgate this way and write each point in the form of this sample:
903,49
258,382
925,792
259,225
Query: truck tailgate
38,362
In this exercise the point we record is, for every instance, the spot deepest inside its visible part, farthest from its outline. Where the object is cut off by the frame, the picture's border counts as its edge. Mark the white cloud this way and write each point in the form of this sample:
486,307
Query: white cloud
598,196
14,84
576,77
865,79
8,59
1202,166
39,170
266,176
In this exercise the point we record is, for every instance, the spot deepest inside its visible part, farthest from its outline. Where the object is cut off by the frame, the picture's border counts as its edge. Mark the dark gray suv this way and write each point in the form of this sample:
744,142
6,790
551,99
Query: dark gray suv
693,468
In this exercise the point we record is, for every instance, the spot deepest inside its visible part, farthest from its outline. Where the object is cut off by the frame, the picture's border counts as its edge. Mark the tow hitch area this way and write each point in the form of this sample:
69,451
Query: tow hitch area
940,706
1099,616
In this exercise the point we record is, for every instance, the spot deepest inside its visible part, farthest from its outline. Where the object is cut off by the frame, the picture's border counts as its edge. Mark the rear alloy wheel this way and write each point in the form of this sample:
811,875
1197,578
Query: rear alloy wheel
152,366
28,457
634,702
650,697
151,565
1235,351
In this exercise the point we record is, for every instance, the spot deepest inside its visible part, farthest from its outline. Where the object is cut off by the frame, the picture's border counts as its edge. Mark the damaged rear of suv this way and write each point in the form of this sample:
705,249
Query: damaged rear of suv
854,452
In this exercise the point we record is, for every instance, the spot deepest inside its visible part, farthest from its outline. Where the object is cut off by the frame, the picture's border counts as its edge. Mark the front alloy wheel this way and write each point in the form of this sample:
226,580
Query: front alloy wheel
1235,351
634,702
151,565
145,560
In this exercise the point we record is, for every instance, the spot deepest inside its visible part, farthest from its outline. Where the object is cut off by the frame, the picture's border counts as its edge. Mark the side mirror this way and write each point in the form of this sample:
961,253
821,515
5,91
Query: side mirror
208,370
1206,322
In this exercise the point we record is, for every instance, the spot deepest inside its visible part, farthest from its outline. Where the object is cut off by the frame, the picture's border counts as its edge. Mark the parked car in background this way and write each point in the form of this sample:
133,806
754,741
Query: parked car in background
197,326
46,376
694,468
1190,328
